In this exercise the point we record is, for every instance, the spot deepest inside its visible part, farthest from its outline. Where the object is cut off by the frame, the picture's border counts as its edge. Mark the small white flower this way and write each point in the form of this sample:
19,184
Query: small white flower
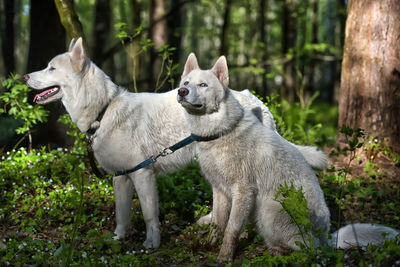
84,254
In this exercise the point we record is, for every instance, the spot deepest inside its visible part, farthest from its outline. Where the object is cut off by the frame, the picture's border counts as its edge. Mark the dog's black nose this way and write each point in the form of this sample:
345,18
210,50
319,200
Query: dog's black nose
26,77
183,91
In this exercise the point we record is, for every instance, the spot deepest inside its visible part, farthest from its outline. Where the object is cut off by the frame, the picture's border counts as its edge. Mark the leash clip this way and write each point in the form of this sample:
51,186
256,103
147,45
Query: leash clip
164,153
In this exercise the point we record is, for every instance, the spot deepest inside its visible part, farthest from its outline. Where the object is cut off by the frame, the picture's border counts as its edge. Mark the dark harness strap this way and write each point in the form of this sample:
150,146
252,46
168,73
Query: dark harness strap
188,140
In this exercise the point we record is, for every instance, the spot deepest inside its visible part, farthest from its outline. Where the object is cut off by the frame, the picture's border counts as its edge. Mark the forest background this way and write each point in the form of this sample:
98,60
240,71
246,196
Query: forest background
318,65
290,48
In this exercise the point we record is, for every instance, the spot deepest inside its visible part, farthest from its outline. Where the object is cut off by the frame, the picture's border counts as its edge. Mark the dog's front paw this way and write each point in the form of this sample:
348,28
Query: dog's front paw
120,233
215,235
226,252
152,238
205,219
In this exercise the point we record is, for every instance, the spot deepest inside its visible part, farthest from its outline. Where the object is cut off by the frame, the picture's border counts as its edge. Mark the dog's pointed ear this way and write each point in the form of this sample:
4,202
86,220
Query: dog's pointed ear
191,64
220,70
78,56
71,44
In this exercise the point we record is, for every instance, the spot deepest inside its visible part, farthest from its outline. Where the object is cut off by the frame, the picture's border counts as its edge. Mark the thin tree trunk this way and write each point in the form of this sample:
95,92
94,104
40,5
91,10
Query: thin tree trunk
223,50
69,19
159,37
134,46
289,42
101,29
263,39
8,36
370,80
314,40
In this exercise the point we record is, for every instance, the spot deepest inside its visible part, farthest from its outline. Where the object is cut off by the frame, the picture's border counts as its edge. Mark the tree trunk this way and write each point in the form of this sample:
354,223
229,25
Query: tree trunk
289,42
134,46
47,39
370,80
263,39
101,29
70,20
314,40
223,50
159,37
8,35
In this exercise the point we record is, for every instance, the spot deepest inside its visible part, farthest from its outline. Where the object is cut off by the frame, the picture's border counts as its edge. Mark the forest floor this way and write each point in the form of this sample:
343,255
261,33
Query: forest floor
37,217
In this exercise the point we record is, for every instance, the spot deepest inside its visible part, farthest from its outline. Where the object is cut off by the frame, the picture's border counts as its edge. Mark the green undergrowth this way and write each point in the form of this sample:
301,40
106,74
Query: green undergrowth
53,211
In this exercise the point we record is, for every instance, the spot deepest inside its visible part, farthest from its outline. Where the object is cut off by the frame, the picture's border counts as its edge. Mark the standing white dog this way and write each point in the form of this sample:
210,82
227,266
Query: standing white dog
126,128
246,162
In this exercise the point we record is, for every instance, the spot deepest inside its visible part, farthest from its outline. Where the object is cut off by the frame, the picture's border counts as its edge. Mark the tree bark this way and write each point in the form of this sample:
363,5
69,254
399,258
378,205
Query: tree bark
134,47
314,40
223,50
159,37
69,19
289,42
263,39
101,29
8,35
370,80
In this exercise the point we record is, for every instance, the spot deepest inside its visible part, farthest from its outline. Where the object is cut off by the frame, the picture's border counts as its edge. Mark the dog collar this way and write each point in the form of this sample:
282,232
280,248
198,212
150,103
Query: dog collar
92,130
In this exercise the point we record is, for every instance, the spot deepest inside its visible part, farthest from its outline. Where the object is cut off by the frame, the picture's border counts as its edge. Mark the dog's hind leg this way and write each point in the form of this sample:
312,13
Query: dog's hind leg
146,188
123,191
275,226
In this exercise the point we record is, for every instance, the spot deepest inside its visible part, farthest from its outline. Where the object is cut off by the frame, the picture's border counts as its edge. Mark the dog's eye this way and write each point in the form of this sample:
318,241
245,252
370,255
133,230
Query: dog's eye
203,85
51,68
186,83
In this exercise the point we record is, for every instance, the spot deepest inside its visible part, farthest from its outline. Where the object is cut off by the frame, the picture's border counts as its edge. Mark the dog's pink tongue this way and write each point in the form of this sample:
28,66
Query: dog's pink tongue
41,94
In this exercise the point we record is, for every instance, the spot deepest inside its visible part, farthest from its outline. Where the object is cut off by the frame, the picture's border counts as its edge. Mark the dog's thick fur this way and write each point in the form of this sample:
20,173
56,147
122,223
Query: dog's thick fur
246,165
133,127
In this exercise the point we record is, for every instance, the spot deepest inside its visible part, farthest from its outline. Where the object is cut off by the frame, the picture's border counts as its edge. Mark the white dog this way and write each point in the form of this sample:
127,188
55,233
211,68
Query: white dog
245,164
126,128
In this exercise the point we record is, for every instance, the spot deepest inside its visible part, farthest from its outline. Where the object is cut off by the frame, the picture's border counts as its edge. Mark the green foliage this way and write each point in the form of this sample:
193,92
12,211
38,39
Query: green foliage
15,103
294,203
183,193
312,124
75,133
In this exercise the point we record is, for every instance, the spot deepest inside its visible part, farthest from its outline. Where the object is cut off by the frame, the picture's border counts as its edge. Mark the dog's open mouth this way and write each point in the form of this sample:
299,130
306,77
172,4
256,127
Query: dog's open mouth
47,95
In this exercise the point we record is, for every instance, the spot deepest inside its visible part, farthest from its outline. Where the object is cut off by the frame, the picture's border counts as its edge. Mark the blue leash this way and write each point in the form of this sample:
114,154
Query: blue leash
167,151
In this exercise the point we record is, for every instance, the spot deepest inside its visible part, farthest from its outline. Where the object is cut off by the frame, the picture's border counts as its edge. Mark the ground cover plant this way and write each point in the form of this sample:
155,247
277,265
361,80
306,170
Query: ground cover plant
55,212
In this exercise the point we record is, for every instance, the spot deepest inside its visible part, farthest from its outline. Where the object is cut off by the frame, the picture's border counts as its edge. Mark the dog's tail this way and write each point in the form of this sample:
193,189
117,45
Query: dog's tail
361,235
315,157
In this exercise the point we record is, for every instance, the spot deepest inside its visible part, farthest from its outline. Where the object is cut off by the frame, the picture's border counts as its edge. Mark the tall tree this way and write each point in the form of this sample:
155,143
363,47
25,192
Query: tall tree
223,50
134,46
263,39
7,36
289,42
370,80
101,28
159,36
314,40
47,39
69,19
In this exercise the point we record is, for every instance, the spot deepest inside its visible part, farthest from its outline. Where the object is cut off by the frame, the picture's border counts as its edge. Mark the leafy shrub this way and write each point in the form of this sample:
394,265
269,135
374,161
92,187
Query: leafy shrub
19,108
